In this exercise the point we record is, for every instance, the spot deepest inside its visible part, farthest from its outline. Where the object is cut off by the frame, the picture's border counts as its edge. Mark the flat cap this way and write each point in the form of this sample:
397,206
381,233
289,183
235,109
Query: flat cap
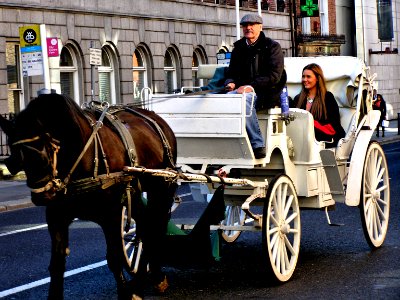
251,18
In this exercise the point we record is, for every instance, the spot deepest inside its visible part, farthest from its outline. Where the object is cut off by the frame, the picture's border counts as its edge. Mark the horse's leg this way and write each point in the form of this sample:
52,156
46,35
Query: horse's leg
160,199
58,228
111,226
138,208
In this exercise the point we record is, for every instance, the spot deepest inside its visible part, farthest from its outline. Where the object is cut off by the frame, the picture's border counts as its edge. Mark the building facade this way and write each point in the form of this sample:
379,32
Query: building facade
372,34
144,43
367,29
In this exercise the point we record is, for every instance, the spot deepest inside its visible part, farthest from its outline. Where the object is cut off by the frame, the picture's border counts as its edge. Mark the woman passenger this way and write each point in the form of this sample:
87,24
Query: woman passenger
321,104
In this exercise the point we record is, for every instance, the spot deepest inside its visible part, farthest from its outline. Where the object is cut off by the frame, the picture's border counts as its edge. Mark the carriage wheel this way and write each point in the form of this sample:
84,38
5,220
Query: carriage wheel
234,216
130,245
281,228
375,196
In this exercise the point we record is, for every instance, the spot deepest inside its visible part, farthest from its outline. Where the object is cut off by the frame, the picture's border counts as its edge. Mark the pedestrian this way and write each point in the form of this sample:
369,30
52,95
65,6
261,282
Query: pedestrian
380,104
257,65
321,103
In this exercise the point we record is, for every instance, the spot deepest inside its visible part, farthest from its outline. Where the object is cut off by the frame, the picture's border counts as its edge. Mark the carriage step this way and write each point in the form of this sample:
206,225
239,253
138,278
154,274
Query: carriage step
332,174
329,219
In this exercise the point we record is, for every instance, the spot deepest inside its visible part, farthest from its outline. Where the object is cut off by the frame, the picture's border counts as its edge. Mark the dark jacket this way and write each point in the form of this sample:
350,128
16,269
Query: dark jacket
333,118
260,65
381,106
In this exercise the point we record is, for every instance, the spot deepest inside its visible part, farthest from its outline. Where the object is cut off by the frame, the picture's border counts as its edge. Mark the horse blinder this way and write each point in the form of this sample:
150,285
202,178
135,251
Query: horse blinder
38,157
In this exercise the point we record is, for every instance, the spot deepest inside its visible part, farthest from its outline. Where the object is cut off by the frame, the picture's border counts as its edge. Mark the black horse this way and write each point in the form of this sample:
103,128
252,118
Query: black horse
58,145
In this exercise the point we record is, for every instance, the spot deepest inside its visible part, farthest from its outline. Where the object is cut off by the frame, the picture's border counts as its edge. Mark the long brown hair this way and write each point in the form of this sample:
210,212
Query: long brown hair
318,109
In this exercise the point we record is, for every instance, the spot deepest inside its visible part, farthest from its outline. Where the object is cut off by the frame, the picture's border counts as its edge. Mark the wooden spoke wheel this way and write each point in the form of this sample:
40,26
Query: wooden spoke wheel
234,216
375,196
130,245
281,228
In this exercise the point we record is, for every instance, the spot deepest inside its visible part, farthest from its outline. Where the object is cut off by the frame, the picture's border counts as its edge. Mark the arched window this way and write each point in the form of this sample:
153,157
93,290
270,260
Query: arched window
140,71
69,77
198,59
171,70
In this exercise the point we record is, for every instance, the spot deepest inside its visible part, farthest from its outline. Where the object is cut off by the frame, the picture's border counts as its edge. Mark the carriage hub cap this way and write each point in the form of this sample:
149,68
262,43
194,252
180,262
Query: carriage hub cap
376,195
283,228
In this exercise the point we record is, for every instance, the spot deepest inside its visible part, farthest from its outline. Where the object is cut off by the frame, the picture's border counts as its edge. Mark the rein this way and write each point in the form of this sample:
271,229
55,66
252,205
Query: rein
94,134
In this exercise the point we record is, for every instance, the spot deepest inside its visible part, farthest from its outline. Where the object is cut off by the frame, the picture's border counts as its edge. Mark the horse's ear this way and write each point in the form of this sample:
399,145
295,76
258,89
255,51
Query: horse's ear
6,125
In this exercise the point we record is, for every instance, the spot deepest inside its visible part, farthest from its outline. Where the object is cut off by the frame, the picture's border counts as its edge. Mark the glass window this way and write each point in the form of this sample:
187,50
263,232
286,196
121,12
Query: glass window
139,68
170,72
280,5
14,84
385,20
106,78
68,74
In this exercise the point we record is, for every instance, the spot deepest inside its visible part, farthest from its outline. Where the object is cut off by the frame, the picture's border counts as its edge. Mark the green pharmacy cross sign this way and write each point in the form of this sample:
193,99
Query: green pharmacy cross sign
309,8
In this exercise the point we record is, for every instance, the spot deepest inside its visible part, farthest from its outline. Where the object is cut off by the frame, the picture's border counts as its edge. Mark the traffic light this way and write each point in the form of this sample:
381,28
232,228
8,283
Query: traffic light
309,8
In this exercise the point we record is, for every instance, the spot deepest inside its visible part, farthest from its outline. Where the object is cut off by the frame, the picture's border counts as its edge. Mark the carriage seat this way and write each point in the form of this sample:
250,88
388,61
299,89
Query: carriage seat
301,132
347,116
207,71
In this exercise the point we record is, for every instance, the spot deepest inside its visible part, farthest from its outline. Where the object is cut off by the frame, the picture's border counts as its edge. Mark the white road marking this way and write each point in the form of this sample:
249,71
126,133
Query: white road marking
23,230
47,280
27,229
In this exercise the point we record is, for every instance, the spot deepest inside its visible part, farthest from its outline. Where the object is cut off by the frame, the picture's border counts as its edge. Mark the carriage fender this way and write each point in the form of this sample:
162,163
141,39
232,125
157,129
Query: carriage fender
354,179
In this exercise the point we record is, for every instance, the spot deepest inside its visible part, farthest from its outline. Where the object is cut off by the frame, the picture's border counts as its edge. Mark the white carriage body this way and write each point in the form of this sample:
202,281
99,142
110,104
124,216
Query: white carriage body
210,130
297,172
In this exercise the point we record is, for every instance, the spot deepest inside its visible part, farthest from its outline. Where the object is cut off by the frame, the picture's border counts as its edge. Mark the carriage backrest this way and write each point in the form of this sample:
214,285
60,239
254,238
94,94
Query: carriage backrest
207,71
342,74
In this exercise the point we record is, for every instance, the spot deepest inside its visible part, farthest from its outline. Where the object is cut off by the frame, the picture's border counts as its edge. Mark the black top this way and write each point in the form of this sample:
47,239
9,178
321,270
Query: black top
381,106
260,65
333,118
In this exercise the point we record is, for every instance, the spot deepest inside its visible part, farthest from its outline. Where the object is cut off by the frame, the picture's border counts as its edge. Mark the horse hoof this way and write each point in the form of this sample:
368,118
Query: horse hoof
162,286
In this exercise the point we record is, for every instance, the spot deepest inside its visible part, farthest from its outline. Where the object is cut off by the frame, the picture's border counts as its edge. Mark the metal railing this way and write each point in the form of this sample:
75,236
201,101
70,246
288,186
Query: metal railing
4,148
317,37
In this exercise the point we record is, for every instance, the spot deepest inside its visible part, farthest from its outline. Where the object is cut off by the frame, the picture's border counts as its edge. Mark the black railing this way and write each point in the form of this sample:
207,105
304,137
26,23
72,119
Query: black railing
4,148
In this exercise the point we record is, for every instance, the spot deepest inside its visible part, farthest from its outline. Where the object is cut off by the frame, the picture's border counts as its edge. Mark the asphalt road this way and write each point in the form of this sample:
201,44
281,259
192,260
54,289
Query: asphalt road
334,262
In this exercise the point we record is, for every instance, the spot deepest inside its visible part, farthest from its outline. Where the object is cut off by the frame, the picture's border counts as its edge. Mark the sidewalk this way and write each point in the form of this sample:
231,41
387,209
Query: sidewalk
391,134
14,193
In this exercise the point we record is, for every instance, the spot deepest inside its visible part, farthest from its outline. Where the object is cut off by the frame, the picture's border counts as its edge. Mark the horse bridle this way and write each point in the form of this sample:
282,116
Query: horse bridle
55,182
52,157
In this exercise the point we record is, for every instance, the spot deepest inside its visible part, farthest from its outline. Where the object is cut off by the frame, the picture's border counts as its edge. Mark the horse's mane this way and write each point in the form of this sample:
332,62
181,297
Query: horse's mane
58,114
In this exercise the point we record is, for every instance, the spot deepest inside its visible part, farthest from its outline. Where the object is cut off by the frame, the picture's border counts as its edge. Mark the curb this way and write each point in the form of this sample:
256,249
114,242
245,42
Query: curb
16,204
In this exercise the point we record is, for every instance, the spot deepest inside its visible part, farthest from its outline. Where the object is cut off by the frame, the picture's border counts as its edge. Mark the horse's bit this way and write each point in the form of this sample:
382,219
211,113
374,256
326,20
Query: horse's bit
54,148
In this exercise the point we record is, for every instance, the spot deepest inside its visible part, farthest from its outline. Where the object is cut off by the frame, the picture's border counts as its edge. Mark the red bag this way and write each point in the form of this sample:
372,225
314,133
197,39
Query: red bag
327,128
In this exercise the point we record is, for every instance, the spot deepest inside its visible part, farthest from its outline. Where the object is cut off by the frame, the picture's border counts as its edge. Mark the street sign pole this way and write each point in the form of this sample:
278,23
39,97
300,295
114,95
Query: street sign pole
237,20
92,73
46,72
94,60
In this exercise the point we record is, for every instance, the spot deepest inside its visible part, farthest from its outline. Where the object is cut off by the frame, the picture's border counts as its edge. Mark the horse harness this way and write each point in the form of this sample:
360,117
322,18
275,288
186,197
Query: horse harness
102,181
106,180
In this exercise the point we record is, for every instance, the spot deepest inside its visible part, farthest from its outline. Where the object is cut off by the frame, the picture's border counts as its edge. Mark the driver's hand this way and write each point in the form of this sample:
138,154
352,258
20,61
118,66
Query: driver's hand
230,87
244,89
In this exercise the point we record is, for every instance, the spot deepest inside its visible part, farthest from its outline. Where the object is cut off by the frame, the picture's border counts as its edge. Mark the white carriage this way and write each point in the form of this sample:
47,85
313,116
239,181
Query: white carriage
298,171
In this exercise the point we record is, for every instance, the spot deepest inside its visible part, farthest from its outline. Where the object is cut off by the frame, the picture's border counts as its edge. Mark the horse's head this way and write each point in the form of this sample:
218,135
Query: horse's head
34,149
